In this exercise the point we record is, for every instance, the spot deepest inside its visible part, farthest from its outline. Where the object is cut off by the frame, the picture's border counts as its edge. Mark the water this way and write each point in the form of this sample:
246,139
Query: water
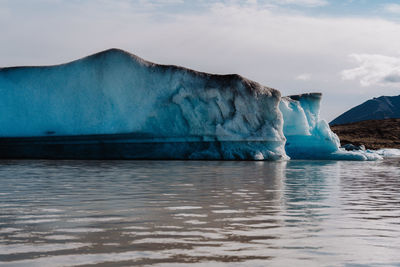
172,213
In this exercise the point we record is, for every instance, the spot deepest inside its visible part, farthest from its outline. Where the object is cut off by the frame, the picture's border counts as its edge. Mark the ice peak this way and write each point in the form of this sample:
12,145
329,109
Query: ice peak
115,52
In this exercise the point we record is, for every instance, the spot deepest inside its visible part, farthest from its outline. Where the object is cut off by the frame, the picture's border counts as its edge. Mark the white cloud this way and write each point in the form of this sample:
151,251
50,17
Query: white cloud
374,70
282,3
304,77
159,3
392,8
308,3
168,2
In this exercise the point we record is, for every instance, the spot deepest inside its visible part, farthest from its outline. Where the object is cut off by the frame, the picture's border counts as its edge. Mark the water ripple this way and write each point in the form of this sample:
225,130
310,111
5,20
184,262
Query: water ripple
172,213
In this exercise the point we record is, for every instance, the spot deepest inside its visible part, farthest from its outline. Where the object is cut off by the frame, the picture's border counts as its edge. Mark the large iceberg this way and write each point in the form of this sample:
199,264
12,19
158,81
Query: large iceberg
115,105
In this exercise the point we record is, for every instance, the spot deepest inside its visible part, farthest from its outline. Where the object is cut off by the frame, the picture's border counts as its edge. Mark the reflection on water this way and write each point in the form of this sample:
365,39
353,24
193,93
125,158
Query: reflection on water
169,213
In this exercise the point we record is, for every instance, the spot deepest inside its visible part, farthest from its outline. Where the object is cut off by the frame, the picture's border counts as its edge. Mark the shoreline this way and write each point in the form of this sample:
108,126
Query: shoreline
373,134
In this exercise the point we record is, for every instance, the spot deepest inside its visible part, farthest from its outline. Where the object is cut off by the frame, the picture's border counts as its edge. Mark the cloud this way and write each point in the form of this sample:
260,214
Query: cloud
275,3
156,3
307,3
392,8
374,70
304,77
392,78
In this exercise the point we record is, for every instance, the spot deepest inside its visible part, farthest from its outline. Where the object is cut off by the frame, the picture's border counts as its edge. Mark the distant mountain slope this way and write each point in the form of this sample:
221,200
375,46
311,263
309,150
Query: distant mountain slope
374,134
384,107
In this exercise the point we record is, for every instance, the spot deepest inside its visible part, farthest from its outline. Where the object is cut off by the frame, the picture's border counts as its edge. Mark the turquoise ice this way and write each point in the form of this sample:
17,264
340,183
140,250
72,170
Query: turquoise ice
156,108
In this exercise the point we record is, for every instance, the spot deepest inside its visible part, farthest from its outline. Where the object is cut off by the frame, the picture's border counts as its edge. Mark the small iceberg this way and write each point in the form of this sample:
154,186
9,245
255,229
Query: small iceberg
388,152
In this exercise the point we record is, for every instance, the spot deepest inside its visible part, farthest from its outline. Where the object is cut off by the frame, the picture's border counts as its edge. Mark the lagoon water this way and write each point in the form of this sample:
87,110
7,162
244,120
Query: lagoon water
176,213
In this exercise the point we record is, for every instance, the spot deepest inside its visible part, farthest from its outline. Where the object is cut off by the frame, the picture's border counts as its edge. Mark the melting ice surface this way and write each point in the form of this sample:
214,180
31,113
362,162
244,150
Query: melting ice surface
114,92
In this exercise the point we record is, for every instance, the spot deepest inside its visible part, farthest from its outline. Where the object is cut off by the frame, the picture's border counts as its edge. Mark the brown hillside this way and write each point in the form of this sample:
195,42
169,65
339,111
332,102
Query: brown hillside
374,134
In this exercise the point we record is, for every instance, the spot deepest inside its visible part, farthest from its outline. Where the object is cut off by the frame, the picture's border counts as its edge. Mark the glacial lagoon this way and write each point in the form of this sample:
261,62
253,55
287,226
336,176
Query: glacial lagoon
206,213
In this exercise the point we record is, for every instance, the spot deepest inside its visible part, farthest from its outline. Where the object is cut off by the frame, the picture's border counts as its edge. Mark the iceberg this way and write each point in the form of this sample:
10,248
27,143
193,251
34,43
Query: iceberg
388,152
115,105
308,136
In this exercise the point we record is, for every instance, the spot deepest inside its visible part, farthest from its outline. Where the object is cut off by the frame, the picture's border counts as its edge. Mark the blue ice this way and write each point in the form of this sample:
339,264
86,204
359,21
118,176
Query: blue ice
114,92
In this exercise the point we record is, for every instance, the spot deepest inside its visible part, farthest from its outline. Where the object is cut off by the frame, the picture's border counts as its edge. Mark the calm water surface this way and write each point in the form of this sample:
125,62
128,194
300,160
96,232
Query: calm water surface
172,213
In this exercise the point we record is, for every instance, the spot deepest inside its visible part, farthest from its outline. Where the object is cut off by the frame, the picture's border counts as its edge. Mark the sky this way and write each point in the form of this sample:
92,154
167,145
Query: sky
347,49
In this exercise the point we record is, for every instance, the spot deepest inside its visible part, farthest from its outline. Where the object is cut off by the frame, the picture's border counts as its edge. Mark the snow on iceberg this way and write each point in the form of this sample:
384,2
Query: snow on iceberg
115,105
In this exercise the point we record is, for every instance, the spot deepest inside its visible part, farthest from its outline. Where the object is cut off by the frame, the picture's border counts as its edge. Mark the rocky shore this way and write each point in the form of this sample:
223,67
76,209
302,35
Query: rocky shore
373,134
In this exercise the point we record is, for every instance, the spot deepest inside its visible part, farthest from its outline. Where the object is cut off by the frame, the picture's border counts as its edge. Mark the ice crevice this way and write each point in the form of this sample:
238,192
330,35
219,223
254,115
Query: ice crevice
199,115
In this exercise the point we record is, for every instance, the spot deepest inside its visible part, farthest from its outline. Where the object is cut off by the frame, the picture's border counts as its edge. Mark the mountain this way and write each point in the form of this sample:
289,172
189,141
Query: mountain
384,107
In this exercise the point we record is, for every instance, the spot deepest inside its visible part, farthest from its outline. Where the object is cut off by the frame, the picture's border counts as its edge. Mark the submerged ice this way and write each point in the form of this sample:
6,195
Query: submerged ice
114,92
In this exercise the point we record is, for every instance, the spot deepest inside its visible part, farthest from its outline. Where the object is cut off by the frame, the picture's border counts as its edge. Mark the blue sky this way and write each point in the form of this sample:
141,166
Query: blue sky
347,49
